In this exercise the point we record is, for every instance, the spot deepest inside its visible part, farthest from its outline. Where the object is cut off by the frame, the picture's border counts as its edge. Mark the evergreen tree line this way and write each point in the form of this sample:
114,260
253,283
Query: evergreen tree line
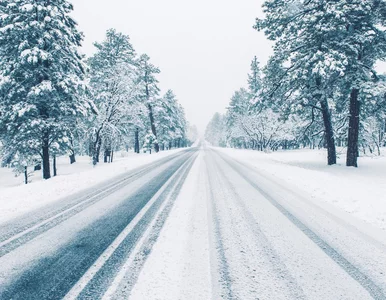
319,88
55,101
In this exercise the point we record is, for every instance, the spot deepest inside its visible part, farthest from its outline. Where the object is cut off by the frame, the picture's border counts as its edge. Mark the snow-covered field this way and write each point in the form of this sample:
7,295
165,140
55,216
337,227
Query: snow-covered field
17,198
361,192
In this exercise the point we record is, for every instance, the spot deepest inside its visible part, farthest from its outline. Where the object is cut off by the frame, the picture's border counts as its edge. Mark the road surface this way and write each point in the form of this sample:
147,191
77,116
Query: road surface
195,225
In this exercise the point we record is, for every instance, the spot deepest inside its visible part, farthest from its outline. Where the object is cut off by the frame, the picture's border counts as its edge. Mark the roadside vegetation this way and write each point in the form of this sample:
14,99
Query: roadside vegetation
319,89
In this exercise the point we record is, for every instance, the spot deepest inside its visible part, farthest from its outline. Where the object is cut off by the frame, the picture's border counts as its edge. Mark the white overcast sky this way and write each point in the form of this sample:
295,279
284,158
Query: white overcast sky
203,47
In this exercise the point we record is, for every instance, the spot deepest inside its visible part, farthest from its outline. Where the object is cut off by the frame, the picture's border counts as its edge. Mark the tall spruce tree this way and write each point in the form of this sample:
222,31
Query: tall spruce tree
170,120
41,76
215,132
306,64
238,108
254,79
113,88
322,46
165,112
363,41
149,90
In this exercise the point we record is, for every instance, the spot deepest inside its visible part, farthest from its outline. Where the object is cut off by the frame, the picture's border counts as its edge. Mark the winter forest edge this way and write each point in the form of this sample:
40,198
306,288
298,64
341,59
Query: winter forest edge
55,101
319,89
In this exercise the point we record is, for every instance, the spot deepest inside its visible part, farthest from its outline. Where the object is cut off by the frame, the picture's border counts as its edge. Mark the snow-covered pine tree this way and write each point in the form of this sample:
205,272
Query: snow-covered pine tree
149,90
267,130
150,141
362,40
192,134
181,125
137,122
170,121
165,112
113,90
306,64
373,121
77,139
215,132
238,108
254,80
339,44
41,75
291,98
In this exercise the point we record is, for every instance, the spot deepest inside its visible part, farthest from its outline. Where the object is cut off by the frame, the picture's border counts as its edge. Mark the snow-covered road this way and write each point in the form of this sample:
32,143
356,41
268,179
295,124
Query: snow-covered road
196,225
274,244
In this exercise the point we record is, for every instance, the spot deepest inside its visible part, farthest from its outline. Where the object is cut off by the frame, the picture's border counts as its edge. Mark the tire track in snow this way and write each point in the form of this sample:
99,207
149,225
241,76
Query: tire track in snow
375,291
25,233
129,273
265,247
381,246
149,226
222,276
255,271
52,276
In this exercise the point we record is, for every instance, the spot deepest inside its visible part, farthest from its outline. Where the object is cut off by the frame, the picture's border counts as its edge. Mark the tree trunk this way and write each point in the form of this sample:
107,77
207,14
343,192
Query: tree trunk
328,129
46,157
353,131
72,155
106,155
91,148
96,147
72,158
384,132
153,129
329,132
96,151
38,167
54,165
136,146
170,145
112,156
25,175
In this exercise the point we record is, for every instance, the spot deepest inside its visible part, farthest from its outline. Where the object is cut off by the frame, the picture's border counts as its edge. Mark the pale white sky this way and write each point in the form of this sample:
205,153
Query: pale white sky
203,47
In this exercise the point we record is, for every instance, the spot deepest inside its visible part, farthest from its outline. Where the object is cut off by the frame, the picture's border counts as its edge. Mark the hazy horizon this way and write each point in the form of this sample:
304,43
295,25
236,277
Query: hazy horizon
204,49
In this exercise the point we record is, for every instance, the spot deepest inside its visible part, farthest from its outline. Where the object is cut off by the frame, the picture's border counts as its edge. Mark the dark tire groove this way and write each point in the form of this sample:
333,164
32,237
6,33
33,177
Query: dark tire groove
366,282
99,284
17,226
225,279
53,276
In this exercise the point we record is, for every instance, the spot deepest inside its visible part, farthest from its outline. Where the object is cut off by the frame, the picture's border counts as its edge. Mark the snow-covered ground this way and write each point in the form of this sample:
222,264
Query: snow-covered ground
17,198
179,267
244,225
242,246
359,191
